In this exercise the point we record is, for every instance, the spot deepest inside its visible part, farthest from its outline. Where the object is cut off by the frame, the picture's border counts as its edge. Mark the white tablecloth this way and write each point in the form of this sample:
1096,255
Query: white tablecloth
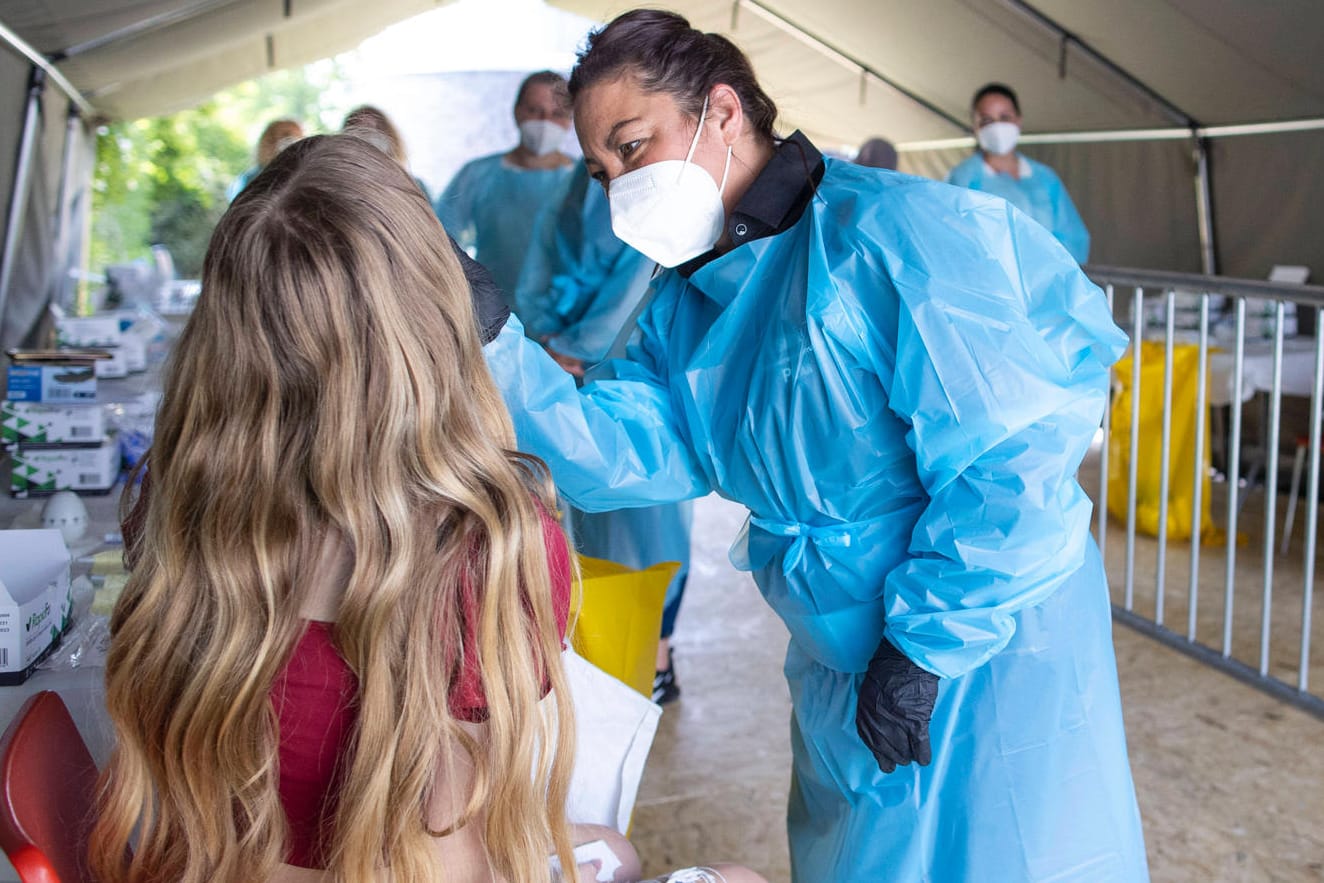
1257,370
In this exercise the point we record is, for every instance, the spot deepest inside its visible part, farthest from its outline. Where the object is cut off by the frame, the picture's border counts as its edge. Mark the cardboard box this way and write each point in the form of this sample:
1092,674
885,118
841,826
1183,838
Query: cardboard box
88,331
115,367
35,424
38,471
53,376
134,349
35,600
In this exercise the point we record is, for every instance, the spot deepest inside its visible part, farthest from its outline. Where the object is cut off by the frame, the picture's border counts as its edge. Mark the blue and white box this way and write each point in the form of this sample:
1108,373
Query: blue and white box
70,382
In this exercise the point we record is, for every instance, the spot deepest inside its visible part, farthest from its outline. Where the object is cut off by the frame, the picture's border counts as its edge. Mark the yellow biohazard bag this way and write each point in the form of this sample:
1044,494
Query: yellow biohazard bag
1181,453
620,617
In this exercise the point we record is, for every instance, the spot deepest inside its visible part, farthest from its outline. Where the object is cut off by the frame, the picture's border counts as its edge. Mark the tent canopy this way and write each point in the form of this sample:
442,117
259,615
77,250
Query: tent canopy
841,70
132,58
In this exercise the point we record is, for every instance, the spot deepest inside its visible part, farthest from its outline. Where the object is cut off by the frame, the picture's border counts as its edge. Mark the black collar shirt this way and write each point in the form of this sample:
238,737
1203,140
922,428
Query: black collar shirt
776,199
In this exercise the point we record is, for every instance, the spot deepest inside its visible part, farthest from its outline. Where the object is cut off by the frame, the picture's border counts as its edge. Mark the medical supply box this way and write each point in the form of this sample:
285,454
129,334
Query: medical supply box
53,376
35,600
45,470
114,332
79,332
34,424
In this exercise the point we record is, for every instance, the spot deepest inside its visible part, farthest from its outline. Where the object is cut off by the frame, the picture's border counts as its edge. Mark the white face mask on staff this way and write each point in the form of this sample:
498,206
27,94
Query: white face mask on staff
998,139
541,137
670,211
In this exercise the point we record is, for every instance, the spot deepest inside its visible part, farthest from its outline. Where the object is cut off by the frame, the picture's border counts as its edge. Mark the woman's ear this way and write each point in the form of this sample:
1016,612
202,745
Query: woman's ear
725,109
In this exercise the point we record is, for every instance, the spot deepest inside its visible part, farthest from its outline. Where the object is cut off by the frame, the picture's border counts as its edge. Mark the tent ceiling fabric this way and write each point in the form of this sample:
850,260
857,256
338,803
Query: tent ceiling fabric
198,47
1222,61
1219,61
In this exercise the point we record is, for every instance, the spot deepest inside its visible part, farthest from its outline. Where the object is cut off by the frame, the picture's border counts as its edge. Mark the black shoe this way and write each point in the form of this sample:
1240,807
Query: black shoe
665,688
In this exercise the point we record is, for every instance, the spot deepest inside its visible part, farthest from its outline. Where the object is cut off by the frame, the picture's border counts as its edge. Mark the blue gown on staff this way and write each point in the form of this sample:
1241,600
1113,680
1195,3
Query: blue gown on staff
899,381
489,207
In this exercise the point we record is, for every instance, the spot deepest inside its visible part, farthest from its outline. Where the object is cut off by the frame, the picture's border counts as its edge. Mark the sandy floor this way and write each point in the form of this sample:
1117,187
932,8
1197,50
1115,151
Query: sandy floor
1230,781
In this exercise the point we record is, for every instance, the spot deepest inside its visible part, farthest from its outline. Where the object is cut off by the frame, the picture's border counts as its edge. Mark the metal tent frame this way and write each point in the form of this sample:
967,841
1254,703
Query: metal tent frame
42,70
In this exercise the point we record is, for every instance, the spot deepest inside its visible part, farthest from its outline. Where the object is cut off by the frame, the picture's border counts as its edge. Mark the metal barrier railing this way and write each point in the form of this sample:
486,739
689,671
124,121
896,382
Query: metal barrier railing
1232,648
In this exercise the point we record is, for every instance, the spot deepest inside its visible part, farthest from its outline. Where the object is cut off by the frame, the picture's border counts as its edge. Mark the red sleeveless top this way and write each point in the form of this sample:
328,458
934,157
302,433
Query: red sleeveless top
314,697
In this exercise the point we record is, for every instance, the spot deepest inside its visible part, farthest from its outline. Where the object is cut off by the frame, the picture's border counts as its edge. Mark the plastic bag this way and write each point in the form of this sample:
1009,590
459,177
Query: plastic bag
620,617
1181,453
88,639
614,731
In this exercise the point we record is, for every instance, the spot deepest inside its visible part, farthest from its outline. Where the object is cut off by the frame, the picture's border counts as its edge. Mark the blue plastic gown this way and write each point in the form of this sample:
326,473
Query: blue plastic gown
1040,195
900,388
238,184
489,207
579,286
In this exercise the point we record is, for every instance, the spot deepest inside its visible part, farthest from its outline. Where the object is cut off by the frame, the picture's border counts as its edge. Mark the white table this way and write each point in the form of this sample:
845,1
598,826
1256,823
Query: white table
1257,370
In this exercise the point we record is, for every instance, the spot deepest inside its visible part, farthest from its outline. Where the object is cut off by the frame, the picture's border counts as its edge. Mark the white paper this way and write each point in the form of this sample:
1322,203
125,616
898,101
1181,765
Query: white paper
615,727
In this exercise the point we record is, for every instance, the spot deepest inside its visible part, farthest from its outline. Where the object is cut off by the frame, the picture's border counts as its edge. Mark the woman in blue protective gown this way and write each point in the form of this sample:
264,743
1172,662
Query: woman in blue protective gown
490,204
579,288
1031,186
899,379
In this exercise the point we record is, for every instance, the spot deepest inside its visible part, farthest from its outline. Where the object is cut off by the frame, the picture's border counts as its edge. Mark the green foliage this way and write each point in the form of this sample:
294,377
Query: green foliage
164,179
316,95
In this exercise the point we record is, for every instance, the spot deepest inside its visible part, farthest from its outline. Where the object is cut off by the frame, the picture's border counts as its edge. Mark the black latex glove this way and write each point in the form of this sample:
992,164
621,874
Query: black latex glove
489,304
895,704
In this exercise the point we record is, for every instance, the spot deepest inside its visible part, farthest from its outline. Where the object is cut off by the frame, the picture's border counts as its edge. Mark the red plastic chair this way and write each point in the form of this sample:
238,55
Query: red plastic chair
47,793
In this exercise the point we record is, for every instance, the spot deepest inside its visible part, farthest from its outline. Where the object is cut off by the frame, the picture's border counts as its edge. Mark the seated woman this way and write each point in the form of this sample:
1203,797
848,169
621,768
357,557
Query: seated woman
348,596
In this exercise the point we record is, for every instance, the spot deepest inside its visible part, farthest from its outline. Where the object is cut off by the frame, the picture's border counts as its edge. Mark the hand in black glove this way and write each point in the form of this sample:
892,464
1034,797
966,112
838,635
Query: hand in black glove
489,303
895,704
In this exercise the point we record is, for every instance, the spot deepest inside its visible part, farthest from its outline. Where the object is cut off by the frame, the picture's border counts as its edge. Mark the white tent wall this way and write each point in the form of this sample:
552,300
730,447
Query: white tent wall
843,71
216,64
134,59
1269,202
13,99
1134,220
1221,61
57,199
30,279
828,61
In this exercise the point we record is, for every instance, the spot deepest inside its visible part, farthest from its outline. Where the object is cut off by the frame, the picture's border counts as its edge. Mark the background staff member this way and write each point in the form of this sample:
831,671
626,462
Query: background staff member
490,204
1031,186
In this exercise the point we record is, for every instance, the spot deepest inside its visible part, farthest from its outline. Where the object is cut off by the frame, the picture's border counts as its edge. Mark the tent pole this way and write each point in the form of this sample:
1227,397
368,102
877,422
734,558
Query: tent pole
165,19
1117,136
14,41
63,232
22,172
1204,203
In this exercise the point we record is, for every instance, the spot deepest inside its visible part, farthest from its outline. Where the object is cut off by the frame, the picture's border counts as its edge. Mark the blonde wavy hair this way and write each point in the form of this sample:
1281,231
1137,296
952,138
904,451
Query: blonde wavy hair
331,380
